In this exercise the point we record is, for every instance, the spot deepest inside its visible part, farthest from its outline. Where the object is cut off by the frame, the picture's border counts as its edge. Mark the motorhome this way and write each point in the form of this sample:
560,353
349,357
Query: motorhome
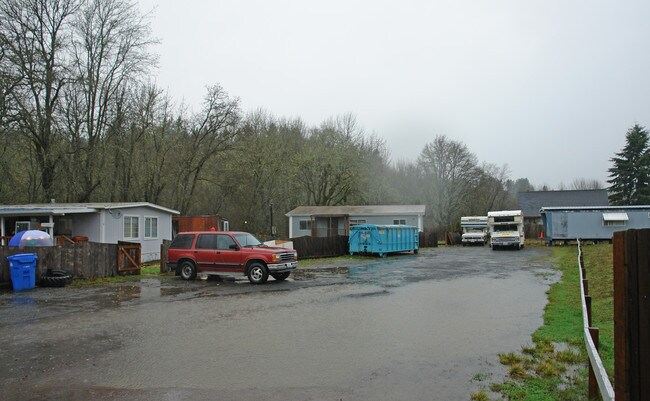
475,230
506,229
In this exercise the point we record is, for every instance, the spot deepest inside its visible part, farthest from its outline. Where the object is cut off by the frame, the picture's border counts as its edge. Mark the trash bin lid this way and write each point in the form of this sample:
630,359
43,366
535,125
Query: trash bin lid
23,257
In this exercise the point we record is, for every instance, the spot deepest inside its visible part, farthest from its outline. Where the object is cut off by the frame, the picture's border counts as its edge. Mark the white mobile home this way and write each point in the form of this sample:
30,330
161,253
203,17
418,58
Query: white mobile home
139,222
328,221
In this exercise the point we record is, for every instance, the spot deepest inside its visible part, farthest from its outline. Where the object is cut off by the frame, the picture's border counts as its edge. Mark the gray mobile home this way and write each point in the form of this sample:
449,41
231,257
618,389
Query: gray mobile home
592,223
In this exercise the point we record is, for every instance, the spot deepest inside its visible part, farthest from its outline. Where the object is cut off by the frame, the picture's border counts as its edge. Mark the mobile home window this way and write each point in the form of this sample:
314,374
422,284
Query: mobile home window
354,222
399,221
305,224
22,226
615,219
150,227
131,227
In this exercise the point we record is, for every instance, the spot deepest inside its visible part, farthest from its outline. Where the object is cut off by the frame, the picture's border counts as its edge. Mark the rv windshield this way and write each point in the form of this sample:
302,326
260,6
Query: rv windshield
506,227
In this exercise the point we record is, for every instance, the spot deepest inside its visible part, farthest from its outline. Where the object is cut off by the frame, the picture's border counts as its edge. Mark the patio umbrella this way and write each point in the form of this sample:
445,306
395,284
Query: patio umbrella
31,238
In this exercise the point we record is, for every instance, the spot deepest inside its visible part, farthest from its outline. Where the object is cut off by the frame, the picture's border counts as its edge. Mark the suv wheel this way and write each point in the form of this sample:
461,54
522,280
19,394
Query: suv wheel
257,273
187,270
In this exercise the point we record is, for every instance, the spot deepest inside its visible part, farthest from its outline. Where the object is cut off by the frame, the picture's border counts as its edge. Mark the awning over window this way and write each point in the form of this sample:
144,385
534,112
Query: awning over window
615,217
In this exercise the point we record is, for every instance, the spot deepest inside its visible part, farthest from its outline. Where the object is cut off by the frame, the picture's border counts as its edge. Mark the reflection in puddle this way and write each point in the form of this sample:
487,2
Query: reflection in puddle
23,300
147,291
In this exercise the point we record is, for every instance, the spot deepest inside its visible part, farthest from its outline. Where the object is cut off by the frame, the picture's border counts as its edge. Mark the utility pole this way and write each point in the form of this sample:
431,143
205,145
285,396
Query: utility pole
272,228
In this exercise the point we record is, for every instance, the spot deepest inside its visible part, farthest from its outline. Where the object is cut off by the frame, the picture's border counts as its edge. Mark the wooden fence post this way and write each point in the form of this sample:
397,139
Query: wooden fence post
162,258
643,306
594,392
588,304
632,315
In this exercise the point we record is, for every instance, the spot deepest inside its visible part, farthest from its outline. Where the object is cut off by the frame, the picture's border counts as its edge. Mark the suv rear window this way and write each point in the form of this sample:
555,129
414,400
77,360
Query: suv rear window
182,241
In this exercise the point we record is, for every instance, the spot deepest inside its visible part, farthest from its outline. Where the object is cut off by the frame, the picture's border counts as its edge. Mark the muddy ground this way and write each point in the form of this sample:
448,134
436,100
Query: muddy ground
408,327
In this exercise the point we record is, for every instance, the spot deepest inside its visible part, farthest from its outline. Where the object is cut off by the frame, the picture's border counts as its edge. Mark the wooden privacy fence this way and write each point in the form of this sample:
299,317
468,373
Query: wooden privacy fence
632,315
83,259
320,247
598,379
428,239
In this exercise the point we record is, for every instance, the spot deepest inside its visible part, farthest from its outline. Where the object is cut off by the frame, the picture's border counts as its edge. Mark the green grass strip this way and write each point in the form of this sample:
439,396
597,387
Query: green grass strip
544,372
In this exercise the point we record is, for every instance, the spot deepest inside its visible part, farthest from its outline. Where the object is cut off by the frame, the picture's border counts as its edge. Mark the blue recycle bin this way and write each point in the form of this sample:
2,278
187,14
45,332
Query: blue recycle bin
23,271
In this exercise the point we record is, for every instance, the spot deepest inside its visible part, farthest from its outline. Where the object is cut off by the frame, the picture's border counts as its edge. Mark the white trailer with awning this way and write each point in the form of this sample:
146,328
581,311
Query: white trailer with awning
592,223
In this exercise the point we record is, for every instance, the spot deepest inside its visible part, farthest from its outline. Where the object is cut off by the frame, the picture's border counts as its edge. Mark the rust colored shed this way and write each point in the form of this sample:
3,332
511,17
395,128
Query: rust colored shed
198,223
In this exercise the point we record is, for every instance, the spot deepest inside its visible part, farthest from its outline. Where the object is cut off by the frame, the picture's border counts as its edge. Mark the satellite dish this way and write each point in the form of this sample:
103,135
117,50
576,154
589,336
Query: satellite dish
116,213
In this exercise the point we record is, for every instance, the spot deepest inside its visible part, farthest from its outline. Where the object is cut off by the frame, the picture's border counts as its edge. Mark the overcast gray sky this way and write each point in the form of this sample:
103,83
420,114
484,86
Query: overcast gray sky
547,87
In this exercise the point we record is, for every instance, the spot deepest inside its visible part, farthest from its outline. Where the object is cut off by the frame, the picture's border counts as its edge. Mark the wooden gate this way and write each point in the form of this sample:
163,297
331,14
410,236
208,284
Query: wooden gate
129,256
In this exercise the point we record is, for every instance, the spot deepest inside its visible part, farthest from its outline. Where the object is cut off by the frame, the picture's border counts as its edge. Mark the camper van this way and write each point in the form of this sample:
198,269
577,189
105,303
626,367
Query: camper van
506,229
475,230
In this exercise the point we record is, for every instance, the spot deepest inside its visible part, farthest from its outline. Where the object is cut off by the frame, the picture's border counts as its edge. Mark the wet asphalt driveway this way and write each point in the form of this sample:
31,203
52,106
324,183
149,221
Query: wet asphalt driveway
410,327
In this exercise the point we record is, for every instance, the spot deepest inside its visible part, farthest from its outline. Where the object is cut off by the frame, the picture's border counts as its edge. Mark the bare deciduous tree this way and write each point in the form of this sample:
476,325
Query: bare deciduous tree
209,134
34,48
585,184
327,165
111,49
450,171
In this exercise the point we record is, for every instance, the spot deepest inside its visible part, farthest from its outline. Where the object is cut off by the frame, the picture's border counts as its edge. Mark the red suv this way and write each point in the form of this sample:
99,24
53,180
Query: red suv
214,252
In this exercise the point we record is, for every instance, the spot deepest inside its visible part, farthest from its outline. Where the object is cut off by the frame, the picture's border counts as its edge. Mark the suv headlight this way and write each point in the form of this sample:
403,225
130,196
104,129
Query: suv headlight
275,257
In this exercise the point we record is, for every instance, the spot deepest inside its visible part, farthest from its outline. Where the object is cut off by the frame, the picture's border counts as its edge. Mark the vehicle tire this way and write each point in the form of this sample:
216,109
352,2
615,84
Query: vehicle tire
257,273
280,276
48,281
59,273
187,270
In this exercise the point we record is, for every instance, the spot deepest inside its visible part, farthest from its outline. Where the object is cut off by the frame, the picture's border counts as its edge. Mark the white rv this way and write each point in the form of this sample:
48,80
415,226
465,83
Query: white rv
475,230
506,229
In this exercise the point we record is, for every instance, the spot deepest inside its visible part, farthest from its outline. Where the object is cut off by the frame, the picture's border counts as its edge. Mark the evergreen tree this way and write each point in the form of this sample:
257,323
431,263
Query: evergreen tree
630,175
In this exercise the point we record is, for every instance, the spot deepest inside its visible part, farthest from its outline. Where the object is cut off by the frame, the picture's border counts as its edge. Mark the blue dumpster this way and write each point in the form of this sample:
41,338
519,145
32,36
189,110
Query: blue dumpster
23,271
383,239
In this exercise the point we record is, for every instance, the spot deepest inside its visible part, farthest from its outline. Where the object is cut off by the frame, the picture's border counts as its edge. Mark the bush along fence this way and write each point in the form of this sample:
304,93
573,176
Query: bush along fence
632,315
83,259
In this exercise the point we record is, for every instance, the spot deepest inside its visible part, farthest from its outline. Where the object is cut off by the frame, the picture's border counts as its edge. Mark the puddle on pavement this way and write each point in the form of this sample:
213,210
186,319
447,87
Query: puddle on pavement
147,290
361,342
